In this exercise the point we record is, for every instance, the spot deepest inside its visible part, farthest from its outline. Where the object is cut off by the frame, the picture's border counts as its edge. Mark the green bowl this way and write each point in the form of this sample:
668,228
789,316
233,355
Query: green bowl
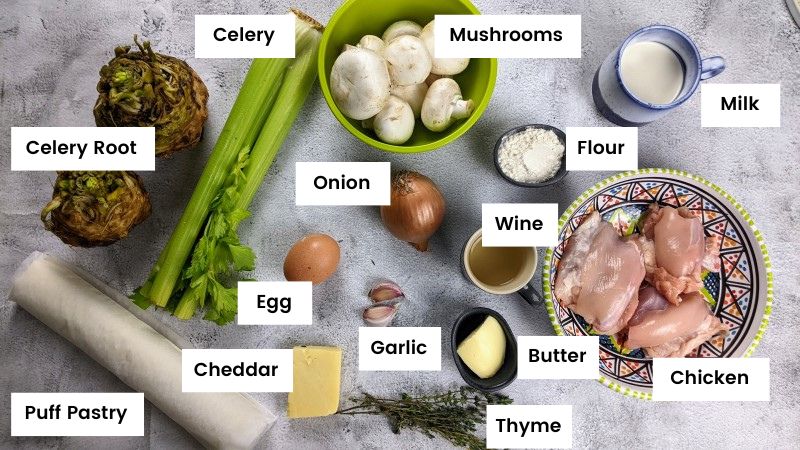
355,18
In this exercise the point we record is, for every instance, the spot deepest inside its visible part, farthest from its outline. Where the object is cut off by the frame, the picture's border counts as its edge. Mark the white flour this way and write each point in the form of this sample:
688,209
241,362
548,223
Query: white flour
531,156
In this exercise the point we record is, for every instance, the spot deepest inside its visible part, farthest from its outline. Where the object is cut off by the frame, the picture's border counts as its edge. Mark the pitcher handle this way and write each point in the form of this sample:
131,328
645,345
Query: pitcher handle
711,67
531,295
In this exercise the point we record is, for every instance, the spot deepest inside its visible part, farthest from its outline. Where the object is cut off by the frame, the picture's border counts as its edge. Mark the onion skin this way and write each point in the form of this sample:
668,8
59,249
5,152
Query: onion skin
416,210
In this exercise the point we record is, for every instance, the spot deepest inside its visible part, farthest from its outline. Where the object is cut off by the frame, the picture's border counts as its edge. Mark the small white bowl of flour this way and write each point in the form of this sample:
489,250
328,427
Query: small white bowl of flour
531,155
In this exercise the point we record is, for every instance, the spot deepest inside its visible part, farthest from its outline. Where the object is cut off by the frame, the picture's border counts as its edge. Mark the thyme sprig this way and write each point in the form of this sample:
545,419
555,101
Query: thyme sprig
453,415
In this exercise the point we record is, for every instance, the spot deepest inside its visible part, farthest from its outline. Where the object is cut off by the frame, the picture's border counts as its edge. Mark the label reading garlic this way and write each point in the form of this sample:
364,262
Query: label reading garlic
399,348
342,183
83,148
244,36
274,303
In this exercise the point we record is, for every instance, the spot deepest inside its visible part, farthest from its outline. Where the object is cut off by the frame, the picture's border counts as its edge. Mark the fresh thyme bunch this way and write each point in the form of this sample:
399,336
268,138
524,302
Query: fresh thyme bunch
453,415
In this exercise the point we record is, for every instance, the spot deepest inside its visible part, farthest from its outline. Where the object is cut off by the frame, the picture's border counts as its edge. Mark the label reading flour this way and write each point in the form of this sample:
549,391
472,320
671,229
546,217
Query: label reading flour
342,183
400,348
77,414
237,370
218,36
740,105
558,357
274,303
602,148
529,426
519,224
711,379
507,36
83,148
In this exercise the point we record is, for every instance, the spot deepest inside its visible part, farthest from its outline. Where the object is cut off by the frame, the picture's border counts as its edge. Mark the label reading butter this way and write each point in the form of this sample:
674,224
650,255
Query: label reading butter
342,183
77,414
236,370
246,36
740,105
529,426
558,357
602,148
507,36
274,303
400,348
519,224
711,379
83,148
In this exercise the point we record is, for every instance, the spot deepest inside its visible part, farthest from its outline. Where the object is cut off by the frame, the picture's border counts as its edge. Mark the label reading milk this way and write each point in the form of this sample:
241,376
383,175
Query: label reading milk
237,370
400,348
83,148
274,303
342,183
519,224
507,36
711,379
77,414
558,357
529,426
217,36
740,105
602,148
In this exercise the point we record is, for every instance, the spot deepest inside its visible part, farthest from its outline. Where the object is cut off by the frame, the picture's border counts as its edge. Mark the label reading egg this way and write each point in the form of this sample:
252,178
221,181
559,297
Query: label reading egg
274,303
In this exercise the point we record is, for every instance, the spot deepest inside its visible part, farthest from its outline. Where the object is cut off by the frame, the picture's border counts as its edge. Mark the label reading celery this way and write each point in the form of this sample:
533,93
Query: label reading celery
264,36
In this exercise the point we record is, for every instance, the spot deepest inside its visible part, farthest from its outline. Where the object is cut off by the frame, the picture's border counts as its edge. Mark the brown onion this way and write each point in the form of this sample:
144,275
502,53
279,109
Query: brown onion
416,210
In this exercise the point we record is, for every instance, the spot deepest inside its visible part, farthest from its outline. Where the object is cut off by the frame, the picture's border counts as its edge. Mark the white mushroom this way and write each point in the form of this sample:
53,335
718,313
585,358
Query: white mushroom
441,66
395,123
401,28
409,61
444,105
413,94
360,83
372,42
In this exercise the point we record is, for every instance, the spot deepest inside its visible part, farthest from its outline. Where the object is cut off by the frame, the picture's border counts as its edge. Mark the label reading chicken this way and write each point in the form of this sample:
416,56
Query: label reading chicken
558,357
711,379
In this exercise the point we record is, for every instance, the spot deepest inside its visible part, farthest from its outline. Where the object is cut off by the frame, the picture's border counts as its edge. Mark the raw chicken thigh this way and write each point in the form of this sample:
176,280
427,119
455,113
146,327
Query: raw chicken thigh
681,251
665,330
599,275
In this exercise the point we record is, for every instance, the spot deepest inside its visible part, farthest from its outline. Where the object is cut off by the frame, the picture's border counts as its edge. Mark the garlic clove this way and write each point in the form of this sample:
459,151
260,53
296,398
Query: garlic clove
379,315
385,291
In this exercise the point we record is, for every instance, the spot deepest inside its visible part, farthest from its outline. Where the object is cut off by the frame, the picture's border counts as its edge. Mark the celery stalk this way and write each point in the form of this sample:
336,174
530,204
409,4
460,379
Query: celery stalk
218,251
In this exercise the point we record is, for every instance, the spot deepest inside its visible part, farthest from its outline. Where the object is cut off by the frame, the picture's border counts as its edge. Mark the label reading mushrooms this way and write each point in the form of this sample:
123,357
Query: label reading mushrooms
507,36
83,148
245,36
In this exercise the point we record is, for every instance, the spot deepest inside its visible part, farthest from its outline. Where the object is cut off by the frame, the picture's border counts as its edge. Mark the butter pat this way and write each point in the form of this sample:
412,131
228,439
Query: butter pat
317,376
484,350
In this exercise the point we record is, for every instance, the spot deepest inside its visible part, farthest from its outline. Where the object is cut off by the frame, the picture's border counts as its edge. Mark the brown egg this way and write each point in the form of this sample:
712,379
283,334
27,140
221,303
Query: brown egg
313,258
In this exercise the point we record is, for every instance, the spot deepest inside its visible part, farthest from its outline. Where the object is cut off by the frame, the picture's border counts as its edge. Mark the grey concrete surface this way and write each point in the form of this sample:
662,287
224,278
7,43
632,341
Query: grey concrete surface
50,53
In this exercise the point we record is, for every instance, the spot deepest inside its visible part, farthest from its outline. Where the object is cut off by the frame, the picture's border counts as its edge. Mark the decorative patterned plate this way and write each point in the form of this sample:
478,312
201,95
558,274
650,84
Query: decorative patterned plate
740,294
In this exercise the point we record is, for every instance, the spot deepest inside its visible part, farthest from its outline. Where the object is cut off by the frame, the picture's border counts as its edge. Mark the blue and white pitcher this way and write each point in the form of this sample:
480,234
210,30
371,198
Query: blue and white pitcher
619,105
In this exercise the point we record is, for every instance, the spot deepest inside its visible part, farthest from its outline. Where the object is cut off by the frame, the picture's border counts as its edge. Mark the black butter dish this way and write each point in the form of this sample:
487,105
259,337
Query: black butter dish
468,322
